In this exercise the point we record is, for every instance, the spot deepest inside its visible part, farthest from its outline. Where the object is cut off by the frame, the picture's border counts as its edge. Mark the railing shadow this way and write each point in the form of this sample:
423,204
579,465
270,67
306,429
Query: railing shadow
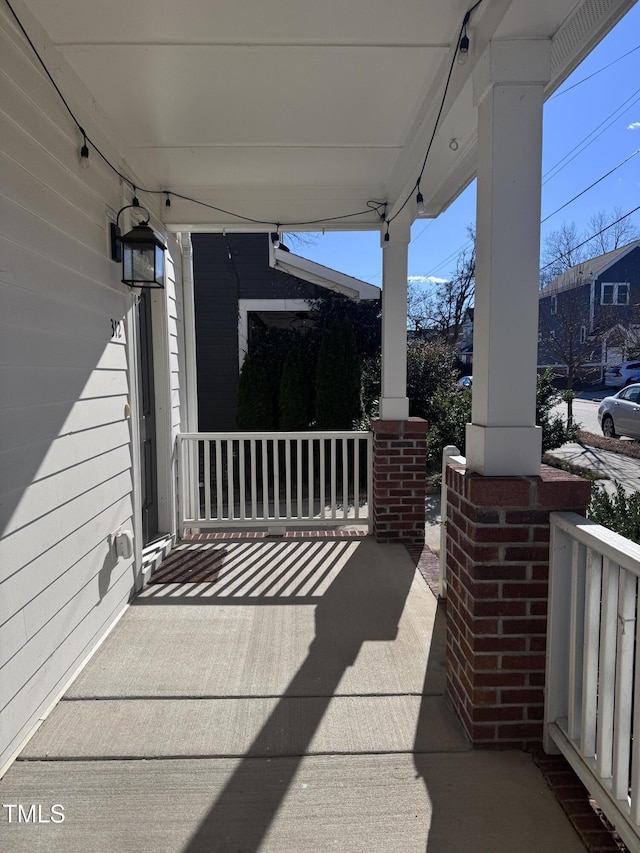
363,603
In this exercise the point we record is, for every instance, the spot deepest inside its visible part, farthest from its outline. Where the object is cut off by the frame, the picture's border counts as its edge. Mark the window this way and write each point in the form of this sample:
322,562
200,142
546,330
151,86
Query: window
554,304
615,293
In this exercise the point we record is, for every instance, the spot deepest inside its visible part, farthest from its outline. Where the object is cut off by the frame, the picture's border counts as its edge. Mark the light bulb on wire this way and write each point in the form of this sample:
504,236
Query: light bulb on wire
463,49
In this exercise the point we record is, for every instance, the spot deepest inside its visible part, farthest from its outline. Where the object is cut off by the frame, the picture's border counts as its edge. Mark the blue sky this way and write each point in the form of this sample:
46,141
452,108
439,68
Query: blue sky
610,98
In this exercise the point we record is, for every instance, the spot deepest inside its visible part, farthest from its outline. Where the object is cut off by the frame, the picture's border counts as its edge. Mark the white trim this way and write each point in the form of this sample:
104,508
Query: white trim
616,285
162,398
191,364
320,275
134,408
246,306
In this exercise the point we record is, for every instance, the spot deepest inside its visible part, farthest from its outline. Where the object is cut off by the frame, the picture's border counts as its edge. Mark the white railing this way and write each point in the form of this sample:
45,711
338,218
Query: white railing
449,454
274,479
592,701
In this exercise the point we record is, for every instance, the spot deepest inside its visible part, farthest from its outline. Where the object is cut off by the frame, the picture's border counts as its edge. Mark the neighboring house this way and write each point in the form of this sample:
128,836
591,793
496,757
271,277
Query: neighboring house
590,315
241,283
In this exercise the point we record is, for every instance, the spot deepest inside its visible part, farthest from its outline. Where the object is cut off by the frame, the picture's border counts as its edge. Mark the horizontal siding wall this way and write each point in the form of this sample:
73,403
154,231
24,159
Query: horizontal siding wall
65,439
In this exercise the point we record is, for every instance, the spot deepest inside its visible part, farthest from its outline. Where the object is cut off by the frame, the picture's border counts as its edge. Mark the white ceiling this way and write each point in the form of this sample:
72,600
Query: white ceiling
291,110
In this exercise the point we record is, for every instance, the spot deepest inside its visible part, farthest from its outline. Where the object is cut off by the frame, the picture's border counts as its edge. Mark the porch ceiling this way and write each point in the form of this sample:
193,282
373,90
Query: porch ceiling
290,110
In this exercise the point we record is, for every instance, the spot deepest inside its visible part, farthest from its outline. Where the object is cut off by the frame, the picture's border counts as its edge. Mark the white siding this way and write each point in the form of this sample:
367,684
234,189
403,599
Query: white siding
65,444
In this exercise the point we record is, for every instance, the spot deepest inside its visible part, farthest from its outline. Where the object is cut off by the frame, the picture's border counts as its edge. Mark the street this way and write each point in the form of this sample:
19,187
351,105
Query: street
585,413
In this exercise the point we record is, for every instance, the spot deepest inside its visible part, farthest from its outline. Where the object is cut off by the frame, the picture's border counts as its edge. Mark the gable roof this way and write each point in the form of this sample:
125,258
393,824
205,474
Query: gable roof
355,288
578,274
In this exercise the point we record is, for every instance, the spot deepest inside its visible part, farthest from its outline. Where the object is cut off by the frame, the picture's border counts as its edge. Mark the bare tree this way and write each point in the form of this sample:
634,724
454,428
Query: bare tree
561,250
564,330
454,297
608,237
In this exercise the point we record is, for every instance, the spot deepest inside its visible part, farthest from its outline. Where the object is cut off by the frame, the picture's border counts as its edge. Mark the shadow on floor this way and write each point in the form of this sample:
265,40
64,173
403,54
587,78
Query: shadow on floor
363,603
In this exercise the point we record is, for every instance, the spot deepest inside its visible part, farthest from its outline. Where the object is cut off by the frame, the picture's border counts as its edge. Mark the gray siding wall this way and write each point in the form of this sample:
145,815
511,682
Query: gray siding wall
219,282
65,445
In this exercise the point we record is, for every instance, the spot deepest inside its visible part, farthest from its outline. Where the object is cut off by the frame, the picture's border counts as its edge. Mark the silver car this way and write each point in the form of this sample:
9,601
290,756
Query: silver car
619,375
620,414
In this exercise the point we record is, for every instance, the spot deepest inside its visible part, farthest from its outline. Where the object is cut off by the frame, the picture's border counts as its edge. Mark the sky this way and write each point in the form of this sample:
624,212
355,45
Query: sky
589,129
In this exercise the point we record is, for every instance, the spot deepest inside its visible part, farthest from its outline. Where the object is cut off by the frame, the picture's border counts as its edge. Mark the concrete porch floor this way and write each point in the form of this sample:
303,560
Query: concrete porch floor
291,700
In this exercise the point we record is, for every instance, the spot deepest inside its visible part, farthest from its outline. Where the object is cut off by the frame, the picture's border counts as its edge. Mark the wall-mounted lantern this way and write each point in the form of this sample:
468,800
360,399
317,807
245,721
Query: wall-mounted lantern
141,253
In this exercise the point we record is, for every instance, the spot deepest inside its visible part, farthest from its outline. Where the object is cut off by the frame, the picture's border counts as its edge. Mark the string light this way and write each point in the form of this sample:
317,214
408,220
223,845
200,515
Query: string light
378,208
463,48
420,203
84,152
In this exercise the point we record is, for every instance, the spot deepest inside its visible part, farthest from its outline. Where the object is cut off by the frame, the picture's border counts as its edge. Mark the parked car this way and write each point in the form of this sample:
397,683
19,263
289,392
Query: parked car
619,375
465,383
620,414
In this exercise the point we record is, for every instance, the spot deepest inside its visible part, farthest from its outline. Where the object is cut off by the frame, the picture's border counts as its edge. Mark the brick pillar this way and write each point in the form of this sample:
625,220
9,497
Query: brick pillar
497,574
399,480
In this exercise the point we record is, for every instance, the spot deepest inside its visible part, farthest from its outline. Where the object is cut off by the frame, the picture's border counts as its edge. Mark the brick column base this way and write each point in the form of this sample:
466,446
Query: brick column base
497,574
399,480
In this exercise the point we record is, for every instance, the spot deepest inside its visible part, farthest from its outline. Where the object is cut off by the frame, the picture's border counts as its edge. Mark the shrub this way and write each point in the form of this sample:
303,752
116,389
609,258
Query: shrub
554,430
256,409
451,412
338,381
293,401
619,512
430,368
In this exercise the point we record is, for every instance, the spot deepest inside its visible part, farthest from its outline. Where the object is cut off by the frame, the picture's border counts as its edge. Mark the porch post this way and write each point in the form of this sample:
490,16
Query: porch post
394,403
399,442
503,438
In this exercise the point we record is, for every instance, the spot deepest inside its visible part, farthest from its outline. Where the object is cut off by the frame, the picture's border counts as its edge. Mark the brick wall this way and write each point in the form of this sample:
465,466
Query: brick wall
497,574
399,480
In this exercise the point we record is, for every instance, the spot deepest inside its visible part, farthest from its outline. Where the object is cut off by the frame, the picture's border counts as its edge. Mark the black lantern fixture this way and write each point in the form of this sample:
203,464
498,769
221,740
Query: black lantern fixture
141,253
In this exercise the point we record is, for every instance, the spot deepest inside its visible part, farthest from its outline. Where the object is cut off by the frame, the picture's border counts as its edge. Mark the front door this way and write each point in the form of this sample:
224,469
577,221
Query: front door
147,419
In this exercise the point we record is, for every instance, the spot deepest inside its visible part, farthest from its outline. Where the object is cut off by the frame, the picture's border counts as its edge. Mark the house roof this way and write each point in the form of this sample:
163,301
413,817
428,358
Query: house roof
310,271
580,273
292,112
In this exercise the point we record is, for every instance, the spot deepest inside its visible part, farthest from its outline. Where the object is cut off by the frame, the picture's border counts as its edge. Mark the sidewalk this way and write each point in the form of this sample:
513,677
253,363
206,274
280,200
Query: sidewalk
291,699
603,463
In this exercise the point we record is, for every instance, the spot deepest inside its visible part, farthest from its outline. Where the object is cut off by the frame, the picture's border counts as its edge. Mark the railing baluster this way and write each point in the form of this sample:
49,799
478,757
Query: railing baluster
576,639
357,446
219,469
635,724
276,480
607,668
345,479
334,476
231,497
310,481
194,479
254,480
207,480
624,684
265,481
287,481
593,586
322,474
299,508
242,476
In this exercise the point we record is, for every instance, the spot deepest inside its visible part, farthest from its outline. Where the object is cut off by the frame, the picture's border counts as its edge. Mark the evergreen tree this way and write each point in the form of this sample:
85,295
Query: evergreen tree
338,381
293,402
256,405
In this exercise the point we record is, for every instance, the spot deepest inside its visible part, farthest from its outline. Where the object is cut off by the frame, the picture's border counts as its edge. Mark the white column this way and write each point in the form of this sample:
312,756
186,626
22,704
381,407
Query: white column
508,89
394,403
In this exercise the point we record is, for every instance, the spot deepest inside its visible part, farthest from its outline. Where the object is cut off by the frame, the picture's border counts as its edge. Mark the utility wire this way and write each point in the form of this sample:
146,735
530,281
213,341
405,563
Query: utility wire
584,242
590,187
558,167
595,73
